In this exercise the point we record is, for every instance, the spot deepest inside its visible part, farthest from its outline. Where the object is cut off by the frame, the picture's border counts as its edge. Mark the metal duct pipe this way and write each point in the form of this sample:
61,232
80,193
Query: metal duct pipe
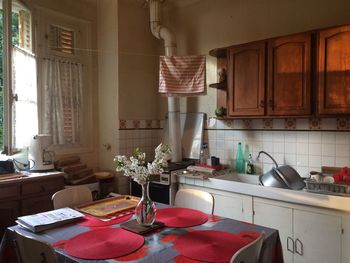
168,37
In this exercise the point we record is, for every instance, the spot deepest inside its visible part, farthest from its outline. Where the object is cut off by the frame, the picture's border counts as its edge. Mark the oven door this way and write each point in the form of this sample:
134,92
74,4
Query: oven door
157,192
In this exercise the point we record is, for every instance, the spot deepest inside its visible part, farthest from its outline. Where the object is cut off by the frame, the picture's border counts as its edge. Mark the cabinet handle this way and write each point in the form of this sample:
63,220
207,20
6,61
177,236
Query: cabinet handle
288,248
301,251
262,104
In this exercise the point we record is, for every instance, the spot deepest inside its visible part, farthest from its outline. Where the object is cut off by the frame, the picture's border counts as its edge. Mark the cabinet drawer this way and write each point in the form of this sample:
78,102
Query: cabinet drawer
43,186
9,191
35,205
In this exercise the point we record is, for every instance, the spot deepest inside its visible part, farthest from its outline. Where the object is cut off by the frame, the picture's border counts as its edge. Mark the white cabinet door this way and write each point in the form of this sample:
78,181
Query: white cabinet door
277,217
317,237
227,206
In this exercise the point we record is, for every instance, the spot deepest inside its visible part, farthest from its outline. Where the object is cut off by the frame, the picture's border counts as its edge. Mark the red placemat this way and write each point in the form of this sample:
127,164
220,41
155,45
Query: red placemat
210,245
92,221
181,217
105,243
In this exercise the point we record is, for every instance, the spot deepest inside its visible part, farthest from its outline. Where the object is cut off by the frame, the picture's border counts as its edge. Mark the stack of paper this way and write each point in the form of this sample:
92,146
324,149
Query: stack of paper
50,219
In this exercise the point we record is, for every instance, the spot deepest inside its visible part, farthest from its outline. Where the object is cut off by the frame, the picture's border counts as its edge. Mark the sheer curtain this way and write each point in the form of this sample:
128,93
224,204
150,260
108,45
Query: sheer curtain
62,82
24,106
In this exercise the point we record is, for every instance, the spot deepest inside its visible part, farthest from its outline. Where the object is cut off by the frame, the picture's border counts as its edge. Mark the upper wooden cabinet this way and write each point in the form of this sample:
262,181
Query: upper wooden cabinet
289,75
246,80
334,71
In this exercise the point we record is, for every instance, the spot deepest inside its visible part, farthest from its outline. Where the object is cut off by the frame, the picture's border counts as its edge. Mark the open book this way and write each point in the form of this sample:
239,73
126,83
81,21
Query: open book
50,219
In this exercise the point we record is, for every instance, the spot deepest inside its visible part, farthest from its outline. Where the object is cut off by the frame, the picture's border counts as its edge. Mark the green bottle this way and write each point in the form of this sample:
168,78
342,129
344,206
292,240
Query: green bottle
239,159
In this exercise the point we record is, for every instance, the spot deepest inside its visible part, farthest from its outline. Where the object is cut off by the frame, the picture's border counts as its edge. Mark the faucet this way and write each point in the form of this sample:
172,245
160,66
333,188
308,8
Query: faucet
274,161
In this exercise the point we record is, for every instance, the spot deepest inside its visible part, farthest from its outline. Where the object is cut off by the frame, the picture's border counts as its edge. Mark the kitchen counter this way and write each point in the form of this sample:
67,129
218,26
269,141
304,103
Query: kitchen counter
27,176
228,182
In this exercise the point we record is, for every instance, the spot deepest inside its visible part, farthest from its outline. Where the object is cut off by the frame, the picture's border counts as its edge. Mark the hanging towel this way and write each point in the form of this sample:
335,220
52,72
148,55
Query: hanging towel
182,76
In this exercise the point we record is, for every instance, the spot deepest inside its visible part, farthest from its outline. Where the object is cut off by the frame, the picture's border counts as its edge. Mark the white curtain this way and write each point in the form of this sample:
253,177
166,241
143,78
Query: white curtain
62,82
24,88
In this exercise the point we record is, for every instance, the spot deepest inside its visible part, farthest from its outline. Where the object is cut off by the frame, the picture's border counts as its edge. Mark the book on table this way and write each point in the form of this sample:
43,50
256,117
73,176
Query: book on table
50,219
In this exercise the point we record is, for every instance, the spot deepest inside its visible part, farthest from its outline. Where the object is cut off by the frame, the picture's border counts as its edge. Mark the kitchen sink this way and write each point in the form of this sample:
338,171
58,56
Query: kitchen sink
241,178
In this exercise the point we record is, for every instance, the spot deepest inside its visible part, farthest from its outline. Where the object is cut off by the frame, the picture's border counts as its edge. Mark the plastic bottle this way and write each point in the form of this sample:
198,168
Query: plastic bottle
249,166
203,154
239,159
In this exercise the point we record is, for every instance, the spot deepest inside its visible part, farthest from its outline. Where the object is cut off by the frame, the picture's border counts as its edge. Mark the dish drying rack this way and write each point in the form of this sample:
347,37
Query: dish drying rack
327,188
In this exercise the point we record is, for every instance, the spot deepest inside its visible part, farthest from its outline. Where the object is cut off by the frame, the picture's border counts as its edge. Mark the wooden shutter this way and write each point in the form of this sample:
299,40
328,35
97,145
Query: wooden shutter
61,39
24,28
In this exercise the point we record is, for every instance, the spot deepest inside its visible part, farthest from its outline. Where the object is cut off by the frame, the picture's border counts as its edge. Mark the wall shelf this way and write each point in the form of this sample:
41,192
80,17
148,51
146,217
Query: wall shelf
220,85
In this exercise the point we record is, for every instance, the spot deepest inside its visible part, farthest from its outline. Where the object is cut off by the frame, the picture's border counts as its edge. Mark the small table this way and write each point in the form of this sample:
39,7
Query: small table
158,246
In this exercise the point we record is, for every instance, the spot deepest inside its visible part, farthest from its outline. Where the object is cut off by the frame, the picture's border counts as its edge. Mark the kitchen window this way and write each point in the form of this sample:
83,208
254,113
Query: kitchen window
64,78
18,87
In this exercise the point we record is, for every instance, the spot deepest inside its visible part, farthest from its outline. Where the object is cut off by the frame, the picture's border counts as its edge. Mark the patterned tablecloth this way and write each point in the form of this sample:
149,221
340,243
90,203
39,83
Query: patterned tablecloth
158,246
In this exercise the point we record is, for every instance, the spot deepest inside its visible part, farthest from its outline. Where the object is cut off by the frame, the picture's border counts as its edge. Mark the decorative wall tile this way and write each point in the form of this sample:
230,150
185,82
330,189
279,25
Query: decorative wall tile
247,124
315,124
343,124
136,124
290,124
148,124
229,124
267,123
122,124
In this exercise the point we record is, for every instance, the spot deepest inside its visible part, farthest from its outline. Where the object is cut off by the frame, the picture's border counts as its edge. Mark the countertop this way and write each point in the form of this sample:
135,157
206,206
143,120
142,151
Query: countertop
26,176
228,182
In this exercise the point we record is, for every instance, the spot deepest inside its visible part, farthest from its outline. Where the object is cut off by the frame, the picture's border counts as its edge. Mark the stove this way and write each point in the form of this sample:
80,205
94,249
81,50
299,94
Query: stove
163,188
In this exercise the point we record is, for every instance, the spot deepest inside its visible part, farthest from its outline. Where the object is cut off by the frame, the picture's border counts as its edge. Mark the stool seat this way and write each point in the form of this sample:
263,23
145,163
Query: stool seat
103,175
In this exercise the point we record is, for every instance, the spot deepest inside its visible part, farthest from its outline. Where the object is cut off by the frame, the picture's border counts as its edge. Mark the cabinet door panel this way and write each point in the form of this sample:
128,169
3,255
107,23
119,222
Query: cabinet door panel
289,60
276,217
334,71
229,207
320,235
246,77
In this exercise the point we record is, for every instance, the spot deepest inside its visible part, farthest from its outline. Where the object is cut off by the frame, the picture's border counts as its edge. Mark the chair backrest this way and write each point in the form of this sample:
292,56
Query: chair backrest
196,199
30,250
249,253
72,196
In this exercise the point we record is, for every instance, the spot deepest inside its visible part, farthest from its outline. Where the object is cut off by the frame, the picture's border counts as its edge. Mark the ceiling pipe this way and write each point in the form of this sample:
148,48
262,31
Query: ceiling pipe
168,37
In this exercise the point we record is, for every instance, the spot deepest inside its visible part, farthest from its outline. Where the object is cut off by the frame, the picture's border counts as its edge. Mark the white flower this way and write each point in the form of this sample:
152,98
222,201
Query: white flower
137,169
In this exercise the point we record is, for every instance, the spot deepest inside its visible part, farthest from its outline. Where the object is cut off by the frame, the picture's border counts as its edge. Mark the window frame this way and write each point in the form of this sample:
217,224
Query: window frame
46,17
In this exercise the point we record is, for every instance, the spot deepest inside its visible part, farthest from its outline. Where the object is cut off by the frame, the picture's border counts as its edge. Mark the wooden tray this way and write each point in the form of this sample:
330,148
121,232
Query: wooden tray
109,206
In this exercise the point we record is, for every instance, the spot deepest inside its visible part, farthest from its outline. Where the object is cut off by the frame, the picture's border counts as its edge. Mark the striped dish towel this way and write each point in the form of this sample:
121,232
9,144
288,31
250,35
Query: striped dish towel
182,76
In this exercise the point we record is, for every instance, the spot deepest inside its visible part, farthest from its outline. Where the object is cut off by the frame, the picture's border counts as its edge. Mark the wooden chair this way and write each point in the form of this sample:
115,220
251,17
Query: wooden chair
30,250
71,197
249,253
196,199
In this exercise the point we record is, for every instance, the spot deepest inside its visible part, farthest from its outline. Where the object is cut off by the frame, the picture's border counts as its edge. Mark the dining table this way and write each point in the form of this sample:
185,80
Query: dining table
74,242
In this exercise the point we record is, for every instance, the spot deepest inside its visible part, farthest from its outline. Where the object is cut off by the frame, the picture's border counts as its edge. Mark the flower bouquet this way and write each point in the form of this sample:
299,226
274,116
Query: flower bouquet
136,168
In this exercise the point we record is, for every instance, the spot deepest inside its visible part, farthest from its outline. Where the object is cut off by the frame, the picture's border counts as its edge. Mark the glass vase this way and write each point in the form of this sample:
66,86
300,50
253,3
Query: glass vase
145,210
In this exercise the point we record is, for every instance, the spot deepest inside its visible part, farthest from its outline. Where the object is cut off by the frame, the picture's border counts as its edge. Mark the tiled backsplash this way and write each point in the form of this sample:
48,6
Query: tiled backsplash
305,144
145,134
305,150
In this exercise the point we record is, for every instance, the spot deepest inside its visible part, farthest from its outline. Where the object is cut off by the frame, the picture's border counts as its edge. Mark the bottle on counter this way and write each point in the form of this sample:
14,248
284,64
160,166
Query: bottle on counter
246,153
249,166
240,159
203,154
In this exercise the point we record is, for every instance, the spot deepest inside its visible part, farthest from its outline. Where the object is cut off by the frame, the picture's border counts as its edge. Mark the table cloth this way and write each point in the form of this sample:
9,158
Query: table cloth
158,246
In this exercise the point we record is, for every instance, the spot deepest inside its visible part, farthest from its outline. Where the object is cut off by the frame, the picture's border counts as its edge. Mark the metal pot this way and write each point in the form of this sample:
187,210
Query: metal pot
281,176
